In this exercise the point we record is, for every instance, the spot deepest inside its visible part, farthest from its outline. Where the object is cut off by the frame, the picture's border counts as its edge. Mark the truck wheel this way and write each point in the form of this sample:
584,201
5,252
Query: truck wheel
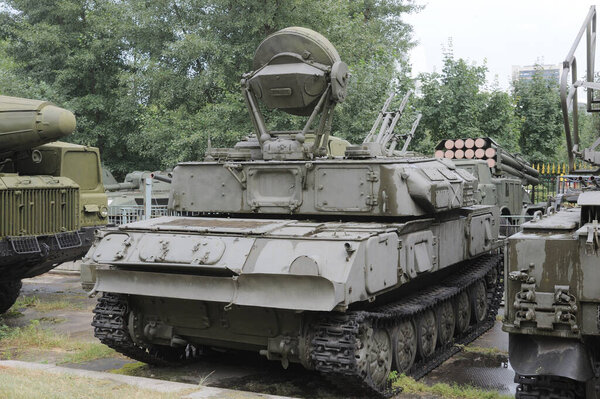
9,292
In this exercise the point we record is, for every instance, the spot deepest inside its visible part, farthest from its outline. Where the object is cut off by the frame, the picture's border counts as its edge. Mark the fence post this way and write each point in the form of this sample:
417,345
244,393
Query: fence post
147,198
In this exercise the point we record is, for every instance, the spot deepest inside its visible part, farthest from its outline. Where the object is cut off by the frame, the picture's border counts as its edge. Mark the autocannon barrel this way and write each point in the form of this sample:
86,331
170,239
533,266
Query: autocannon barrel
121,186
28,123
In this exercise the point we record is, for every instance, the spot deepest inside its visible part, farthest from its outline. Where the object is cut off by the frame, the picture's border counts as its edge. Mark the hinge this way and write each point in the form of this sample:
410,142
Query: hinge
372,176
371,200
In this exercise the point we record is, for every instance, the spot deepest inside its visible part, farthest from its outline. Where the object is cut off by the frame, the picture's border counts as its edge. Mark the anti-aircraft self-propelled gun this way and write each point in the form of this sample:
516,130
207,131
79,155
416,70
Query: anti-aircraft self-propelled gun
349,265
51,194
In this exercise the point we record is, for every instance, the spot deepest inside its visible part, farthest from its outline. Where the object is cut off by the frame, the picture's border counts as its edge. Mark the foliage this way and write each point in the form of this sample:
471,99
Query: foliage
439,390
150,81
456,104
538,108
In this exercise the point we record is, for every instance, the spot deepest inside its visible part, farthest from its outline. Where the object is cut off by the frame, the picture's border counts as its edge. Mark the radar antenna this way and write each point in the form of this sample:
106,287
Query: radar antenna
298,71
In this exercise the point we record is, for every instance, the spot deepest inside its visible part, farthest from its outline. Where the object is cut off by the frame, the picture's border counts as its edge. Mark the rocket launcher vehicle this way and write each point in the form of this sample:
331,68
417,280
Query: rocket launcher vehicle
499,160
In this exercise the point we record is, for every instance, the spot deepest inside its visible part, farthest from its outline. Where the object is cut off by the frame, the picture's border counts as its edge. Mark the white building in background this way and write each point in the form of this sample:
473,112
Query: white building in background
549,71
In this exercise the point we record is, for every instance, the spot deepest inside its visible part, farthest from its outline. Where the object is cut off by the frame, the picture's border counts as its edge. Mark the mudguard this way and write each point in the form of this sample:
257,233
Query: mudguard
538,355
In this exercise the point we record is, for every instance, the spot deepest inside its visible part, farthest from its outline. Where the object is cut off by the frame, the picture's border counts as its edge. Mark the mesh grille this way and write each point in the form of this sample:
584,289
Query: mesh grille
38,211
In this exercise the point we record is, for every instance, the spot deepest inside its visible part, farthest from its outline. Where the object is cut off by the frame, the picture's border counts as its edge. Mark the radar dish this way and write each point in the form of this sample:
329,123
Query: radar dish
311,45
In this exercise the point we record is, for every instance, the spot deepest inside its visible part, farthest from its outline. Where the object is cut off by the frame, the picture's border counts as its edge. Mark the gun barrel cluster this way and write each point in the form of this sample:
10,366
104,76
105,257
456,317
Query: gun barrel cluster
486,149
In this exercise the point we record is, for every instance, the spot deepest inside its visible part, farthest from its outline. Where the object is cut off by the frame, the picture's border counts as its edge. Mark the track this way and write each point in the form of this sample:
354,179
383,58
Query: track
337,345
111,328
548,387
340,343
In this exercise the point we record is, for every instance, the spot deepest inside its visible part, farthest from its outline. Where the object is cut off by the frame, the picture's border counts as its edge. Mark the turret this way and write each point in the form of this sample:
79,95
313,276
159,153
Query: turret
25,123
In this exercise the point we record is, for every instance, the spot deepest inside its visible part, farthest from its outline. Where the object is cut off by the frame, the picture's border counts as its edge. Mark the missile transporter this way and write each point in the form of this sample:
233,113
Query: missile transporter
553,271
51,194
351,266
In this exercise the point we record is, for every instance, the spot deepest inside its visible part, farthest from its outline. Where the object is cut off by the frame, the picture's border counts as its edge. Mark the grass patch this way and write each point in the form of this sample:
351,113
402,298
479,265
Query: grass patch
482,350
409,385
46,305
21,303
30,384
132,369
33,336
89,351
58,304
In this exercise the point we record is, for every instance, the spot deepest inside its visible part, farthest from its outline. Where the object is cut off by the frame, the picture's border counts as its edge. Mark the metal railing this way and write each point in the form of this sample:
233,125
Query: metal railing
511,224
132,213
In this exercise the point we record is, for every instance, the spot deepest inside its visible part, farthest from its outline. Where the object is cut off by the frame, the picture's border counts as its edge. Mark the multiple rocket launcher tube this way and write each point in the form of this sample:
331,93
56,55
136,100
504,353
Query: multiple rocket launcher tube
486,149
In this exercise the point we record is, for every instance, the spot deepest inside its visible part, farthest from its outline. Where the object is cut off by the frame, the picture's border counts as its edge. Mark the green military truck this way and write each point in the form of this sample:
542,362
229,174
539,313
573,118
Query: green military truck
51,193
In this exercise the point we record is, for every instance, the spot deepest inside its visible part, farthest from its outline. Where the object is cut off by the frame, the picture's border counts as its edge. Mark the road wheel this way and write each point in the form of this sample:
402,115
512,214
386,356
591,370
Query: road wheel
479,301
426,334
374,355
446,322
463,312
405,346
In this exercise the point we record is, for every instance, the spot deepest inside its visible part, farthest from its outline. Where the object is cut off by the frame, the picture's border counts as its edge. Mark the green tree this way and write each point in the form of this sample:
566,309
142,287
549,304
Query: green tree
150,80
453,101
538,108
456,104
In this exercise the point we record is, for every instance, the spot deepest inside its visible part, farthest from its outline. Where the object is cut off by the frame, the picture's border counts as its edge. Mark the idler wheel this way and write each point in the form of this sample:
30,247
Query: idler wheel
405,346
374,356
427,333
446,322
463,312
479,301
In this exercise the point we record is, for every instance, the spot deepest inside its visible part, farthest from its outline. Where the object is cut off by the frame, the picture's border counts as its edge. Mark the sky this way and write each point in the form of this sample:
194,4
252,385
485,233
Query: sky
504,33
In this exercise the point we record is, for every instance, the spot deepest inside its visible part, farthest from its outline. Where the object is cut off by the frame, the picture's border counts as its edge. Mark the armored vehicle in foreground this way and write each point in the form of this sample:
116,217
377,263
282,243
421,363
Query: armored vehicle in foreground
51,194
553,271
351,265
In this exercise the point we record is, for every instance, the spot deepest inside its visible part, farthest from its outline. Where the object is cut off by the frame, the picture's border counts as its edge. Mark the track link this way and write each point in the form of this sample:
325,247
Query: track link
548,387
336,341
110,327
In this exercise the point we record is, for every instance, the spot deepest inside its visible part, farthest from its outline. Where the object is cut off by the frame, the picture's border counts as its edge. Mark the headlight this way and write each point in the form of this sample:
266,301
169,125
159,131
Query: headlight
103,212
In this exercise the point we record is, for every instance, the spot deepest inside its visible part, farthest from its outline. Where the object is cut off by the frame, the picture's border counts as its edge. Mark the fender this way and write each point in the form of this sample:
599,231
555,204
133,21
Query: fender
538,355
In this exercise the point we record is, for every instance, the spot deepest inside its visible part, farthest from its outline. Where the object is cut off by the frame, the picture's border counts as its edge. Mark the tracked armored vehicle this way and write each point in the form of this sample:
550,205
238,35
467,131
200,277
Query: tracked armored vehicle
51,194
351,265
130,191
553,270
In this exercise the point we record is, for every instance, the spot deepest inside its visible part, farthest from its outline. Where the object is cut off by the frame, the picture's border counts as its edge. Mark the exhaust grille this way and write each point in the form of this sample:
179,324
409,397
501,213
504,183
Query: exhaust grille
38,211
